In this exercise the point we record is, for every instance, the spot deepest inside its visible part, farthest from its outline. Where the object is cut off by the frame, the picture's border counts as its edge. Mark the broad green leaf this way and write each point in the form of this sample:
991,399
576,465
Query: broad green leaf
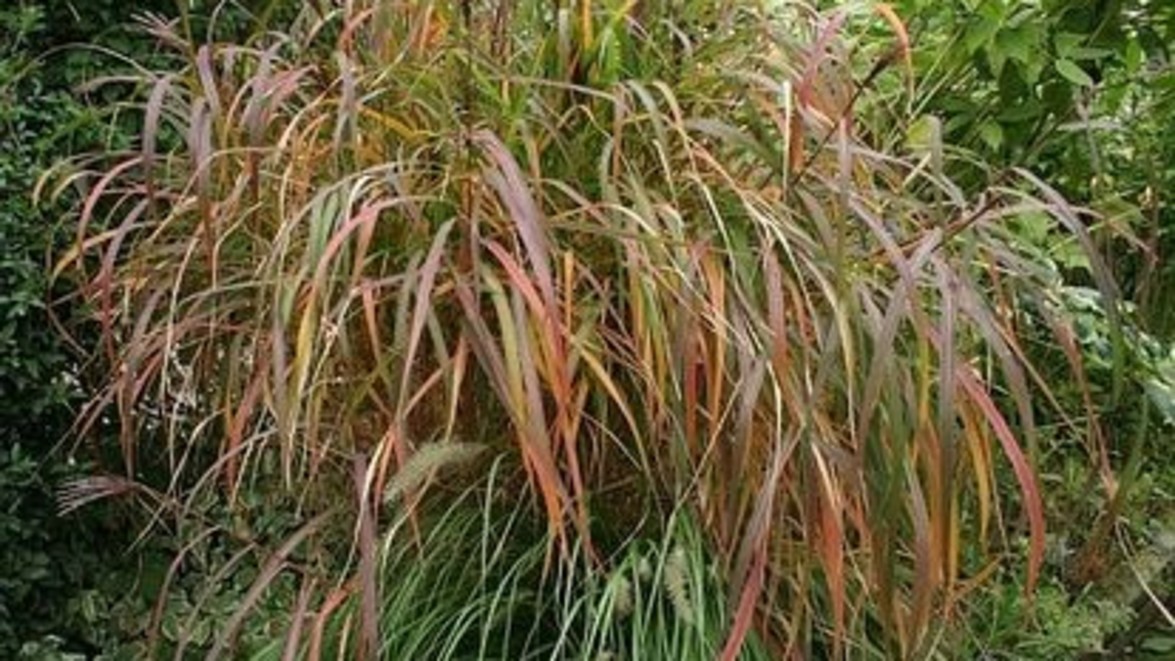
979,33
923,133
1034,226
1067,42
992,135
1070,255
1019,112
1018,43
1159,644
1073,73
1083,53
1133,57
1032,68
996,58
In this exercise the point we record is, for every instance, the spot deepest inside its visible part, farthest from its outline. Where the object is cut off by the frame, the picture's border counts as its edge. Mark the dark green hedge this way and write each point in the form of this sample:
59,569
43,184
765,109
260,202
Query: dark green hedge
50,566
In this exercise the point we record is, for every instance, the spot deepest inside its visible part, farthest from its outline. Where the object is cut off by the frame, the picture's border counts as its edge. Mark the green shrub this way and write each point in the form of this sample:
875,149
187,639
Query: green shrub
46,561
36,574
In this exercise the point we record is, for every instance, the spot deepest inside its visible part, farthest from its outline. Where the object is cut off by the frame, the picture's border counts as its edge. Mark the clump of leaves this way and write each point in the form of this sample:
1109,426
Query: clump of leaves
473,585
1081,92
1063,626
652,249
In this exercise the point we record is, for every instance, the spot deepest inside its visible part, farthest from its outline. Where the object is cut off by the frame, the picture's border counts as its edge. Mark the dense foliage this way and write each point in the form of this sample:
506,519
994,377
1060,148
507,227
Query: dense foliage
60,577
40,560
1082,93
599,330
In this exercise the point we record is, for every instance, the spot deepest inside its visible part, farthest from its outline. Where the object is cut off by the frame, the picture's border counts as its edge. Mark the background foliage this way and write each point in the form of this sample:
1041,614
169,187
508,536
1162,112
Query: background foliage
65,582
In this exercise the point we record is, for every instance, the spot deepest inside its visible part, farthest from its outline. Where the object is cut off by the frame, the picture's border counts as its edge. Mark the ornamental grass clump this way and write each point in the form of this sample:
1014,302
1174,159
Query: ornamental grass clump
654,256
